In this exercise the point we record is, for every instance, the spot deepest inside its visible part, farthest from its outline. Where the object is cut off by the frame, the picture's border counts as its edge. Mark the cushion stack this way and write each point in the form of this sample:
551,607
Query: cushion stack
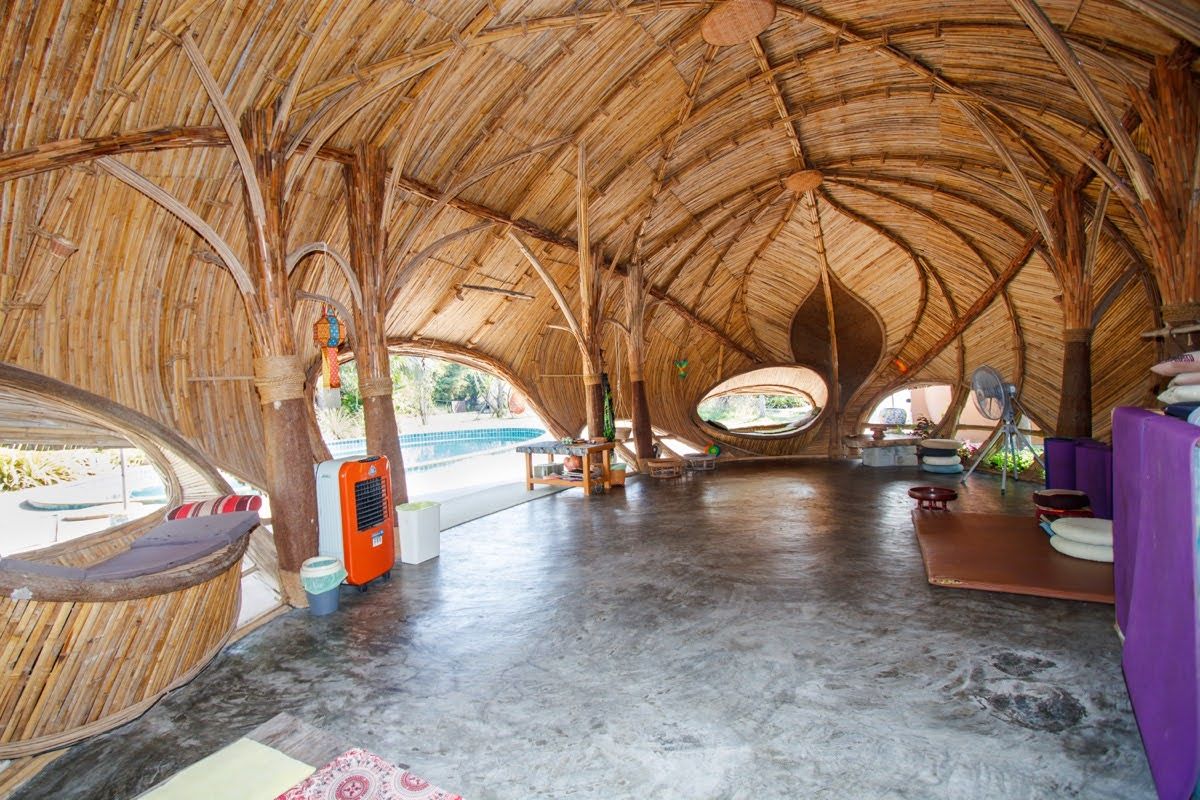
940,456
1182,395
1055,503
1083,537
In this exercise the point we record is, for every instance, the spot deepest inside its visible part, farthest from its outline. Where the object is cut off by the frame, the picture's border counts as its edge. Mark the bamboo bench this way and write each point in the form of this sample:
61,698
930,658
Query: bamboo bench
82,655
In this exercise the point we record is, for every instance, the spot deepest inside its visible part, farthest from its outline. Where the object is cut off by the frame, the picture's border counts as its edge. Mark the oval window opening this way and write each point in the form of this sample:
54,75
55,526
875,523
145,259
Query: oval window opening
772,402
919,408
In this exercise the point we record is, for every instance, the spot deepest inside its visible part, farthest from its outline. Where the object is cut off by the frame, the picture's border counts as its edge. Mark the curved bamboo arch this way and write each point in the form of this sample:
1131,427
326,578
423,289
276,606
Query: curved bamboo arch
485,362
188,472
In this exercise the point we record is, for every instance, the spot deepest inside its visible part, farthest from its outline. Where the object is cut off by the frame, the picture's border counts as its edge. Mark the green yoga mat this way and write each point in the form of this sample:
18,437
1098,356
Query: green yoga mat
245,769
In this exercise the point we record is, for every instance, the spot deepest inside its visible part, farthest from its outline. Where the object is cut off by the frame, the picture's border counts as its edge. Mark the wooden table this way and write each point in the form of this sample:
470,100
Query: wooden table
585,450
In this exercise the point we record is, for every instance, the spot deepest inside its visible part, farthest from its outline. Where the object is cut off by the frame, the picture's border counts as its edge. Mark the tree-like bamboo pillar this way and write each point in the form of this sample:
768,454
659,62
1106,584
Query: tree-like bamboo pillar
635,317
365,180
589,308
1171,123
278,370
1072,266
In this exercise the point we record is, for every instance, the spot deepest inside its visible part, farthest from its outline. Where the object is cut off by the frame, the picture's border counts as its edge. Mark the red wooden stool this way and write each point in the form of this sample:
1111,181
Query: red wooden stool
932,498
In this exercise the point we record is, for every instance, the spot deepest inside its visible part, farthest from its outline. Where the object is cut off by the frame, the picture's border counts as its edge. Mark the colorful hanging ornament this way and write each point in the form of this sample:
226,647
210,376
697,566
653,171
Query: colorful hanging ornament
328,334
681,364
713,449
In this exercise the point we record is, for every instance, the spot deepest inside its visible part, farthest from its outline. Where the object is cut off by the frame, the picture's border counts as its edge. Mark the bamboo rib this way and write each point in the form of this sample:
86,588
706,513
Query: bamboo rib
938,133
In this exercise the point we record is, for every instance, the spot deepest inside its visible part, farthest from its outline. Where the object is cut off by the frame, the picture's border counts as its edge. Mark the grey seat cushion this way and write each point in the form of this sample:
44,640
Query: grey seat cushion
225,528
37,568
149,560
166,546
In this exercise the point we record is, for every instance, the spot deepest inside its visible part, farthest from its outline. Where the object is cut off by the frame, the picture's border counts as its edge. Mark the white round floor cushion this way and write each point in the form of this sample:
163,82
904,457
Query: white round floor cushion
941,444
1088,552
1084,530
941,461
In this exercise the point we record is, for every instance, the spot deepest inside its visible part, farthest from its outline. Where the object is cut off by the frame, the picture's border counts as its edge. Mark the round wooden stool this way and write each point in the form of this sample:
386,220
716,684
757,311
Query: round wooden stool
932,498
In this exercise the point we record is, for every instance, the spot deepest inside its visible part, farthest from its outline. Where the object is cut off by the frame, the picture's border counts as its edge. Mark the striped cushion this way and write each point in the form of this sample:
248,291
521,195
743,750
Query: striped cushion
220,505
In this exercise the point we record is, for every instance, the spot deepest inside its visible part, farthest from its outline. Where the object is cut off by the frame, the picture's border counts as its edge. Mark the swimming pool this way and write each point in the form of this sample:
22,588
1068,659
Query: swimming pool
436,448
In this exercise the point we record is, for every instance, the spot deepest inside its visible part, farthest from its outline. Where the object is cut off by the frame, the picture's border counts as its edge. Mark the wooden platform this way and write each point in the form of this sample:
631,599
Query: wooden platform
1005,553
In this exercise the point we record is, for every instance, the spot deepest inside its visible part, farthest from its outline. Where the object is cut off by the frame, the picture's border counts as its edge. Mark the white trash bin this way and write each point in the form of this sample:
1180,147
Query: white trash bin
420,529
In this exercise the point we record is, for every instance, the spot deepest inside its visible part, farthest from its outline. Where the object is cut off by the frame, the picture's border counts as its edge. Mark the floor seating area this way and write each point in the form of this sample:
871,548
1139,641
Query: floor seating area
553,653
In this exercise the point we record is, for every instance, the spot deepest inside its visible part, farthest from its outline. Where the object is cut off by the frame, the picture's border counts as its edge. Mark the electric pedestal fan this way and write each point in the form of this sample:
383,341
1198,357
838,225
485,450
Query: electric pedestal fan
997,400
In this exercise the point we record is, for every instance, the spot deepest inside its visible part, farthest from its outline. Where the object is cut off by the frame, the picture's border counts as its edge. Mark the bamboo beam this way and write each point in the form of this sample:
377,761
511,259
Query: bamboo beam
228,122
171,203
366,195
311,248
1081,178
1006,156
559,298
1065,57
475,287
1179,18
70,152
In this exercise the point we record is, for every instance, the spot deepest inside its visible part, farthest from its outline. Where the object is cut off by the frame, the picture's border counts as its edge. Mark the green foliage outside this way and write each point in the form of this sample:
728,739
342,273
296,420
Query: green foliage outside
1000,459
739,411
421,387
22,468
787,401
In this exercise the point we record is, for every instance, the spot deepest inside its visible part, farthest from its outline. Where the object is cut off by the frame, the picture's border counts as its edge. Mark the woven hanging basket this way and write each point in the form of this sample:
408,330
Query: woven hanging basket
737,21
803,181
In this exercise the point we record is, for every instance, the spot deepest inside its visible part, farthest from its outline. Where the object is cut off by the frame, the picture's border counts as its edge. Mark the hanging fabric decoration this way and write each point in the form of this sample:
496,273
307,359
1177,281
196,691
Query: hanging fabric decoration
610,417
329,335
681,364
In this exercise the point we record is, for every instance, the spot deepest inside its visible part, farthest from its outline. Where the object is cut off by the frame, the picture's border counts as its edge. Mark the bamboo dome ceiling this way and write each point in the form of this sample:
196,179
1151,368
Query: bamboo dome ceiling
923,129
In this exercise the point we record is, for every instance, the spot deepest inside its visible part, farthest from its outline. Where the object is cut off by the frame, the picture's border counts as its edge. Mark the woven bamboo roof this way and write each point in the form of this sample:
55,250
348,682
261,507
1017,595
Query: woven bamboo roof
916,214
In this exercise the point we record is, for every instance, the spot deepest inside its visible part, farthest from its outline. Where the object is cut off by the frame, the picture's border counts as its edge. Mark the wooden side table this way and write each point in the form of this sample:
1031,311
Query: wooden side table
932,498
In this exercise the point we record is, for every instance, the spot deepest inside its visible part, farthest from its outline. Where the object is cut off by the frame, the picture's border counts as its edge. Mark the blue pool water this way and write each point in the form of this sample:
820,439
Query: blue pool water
427,450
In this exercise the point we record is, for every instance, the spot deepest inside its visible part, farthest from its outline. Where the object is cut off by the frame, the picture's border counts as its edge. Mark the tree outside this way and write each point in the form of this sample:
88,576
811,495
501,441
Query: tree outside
423,387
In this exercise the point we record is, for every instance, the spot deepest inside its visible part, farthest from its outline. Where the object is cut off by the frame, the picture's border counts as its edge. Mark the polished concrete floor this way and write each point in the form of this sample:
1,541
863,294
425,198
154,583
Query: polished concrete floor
751,633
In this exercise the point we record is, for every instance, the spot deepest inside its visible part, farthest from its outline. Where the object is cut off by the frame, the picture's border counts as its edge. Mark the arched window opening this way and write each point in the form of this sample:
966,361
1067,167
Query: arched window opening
771,402
919,407
459,423
63,477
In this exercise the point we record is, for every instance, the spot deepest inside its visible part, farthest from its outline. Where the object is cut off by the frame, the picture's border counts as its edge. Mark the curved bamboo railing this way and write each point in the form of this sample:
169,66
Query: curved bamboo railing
79,658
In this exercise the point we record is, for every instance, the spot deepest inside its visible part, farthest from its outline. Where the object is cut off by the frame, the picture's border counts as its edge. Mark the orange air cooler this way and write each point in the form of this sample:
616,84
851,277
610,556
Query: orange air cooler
355,516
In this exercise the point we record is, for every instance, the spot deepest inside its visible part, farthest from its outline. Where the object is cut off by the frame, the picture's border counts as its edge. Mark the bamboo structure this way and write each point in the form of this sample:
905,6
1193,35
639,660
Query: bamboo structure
493,171
365,191
82,658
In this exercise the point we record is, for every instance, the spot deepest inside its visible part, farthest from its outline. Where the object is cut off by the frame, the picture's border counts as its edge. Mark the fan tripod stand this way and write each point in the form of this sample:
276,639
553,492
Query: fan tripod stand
1012,436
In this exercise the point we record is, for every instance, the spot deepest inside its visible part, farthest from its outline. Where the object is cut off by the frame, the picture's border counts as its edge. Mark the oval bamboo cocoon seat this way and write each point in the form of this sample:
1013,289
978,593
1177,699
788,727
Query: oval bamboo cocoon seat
87,658
803,181
737,21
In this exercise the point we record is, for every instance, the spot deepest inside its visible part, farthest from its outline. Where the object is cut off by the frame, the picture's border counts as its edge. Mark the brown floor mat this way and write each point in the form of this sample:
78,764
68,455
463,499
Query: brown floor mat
1004,553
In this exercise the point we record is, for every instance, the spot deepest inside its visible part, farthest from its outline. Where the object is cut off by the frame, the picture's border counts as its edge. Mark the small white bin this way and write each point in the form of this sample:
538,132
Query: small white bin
420,531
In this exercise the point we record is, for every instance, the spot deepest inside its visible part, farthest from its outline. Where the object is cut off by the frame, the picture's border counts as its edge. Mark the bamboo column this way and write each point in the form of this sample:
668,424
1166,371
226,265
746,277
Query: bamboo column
1171,121
366,190
589,306
278,370
1071,261
635,317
